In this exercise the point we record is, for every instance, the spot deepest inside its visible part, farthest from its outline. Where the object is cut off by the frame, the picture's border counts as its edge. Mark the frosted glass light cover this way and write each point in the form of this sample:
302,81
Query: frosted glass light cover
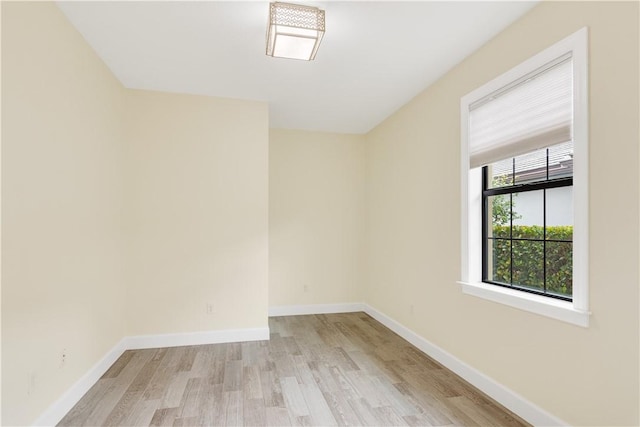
294,31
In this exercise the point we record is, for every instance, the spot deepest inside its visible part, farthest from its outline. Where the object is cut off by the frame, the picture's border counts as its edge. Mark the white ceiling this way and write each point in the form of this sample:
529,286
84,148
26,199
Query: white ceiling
375,56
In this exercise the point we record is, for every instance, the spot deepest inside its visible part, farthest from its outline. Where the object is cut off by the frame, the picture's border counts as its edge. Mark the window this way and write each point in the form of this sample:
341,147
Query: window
527,222
524,185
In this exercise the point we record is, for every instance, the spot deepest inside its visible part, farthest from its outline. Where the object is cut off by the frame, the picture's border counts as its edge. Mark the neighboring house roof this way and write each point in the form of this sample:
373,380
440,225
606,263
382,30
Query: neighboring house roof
533,166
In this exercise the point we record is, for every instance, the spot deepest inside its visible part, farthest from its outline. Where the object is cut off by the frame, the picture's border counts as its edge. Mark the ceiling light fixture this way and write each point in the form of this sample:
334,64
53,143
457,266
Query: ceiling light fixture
294,31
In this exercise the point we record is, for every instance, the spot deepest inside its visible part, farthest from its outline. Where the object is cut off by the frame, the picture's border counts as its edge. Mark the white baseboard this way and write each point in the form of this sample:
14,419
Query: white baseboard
506,397
296,310
197,338
59,409
62,406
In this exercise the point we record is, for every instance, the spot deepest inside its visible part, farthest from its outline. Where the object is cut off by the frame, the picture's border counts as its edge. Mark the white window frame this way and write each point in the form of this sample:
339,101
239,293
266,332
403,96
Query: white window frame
576,311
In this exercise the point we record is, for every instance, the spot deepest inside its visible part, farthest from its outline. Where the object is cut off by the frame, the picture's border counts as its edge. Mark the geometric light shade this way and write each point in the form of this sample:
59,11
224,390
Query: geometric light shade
294,31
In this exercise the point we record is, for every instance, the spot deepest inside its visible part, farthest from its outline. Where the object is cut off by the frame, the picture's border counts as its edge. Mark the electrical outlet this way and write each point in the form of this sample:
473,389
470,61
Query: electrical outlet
209,308
63,358
305,288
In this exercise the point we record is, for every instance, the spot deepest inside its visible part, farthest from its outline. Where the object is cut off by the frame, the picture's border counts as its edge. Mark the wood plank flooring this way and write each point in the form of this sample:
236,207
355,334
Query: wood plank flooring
323,370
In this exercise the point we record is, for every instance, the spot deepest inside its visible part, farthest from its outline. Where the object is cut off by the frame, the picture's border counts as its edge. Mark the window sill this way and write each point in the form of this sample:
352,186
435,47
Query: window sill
556,309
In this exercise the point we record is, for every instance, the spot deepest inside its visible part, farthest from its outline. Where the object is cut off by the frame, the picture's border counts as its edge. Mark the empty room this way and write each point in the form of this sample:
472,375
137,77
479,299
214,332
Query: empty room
321,213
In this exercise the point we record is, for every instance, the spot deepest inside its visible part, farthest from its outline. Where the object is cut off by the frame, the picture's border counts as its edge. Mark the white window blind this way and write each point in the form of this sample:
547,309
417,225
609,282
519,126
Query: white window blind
534,112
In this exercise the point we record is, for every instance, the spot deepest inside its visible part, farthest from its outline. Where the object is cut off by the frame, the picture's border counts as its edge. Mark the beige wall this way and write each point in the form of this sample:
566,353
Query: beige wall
197,227
316,217
61,202
124,212
584,376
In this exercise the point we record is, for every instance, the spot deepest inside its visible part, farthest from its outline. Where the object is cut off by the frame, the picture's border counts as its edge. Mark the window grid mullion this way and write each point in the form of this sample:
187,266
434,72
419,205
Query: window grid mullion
513,181
526,239
544,228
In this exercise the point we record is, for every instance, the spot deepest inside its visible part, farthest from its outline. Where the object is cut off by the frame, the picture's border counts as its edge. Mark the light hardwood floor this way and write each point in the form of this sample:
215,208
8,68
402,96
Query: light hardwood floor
334,369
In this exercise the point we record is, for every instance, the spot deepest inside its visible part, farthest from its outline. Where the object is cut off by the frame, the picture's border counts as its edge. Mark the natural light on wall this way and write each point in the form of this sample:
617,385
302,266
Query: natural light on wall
294,31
